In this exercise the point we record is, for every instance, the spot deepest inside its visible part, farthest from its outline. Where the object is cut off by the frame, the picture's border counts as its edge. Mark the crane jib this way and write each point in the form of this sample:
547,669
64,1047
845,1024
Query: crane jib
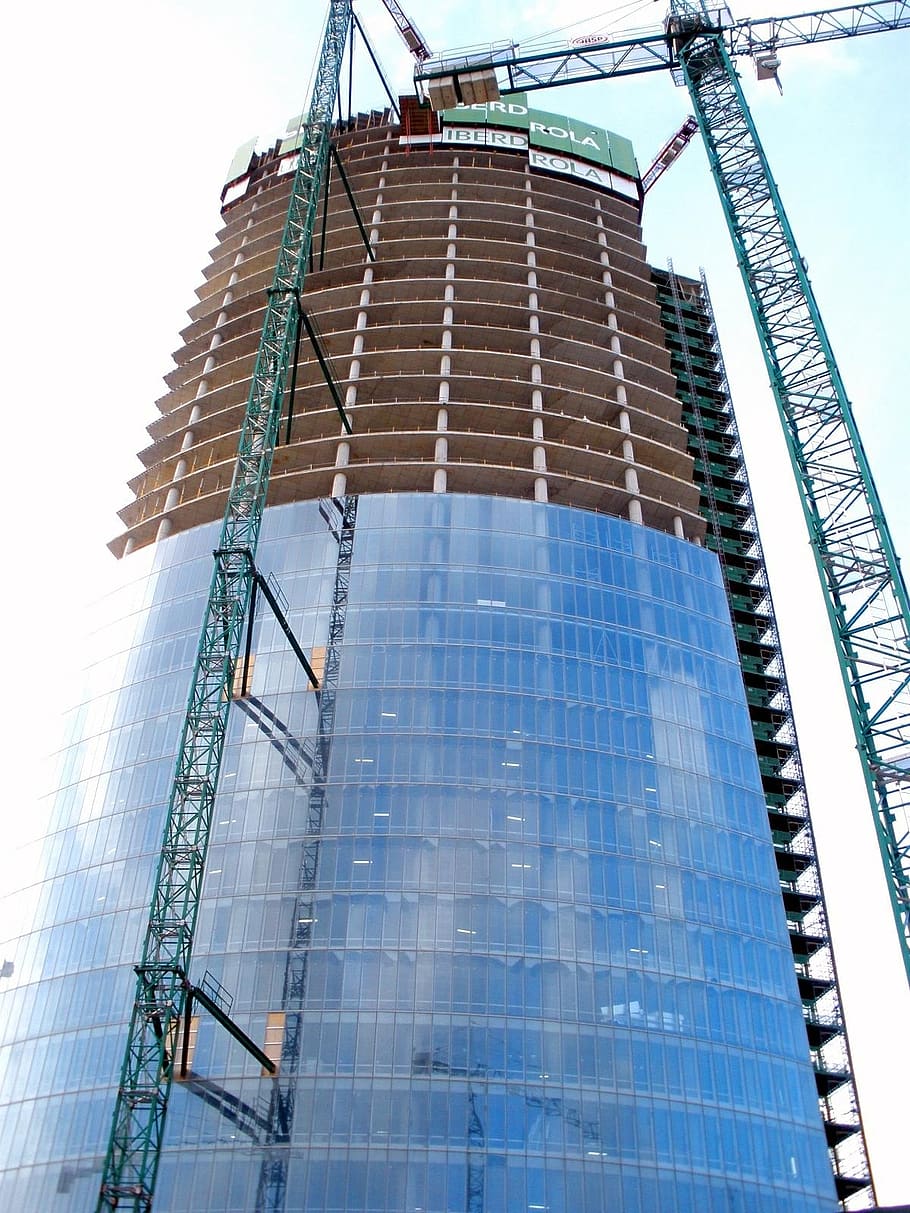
657,49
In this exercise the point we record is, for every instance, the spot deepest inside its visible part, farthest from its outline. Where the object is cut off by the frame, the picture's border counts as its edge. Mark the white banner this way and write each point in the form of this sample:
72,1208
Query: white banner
516,141
566,166
484,136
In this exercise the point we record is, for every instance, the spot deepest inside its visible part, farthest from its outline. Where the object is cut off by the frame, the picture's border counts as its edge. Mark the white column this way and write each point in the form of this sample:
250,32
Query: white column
174,493
539,451
630,474
441,449
343,450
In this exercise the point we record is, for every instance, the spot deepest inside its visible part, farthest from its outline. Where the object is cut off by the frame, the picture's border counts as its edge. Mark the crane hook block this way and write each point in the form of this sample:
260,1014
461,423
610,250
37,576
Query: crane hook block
766,66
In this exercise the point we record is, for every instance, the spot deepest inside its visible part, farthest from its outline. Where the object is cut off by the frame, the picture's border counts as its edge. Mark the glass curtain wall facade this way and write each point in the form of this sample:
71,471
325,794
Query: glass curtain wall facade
545,961
501,900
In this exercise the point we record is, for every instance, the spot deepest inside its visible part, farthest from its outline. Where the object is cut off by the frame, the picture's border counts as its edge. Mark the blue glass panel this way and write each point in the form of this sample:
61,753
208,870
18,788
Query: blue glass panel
531,956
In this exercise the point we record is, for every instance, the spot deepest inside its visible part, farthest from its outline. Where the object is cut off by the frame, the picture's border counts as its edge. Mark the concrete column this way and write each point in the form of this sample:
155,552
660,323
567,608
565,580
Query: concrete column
211,362
340,479
441,447
630,475
343,450
539,452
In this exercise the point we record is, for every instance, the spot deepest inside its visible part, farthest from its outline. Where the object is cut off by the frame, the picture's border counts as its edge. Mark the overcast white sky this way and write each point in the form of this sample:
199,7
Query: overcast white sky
119,123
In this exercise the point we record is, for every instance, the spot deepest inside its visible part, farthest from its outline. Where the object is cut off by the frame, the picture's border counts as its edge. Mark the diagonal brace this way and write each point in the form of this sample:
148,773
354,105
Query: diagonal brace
336,159
228,1024
262,585
326,370
379,72
303,318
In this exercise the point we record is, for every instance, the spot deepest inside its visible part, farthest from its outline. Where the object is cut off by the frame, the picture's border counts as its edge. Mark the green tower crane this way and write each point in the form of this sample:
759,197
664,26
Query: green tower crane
863,586
163,981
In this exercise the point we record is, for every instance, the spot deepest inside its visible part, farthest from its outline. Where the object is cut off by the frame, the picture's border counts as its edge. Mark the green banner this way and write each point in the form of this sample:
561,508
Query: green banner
552,132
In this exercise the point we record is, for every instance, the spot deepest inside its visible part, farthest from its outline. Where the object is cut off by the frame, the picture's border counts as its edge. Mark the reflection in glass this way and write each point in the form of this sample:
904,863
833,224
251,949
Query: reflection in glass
546,964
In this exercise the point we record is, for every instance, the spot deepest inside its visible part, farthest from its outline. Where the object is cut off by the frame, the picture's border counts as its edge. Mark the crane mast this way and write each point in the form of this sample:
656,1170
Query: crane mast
131,1164
864,590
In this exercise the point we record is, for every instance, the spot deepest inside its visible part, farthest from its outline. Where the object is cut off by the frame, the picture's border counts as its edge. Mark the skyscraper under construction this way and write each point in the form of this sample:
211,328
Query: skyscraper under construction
520,902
